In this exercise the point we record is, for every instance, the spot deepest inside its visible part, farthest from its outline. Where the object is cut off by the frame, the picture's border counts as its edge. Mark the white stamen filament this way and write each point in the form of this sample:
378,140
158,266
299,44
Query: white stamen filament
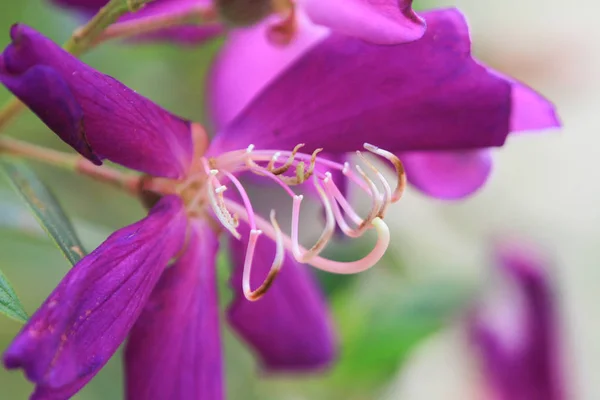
339,197
245,198
387,190
375,199
205,188
337,267
328,230
400,173
254,295
217,203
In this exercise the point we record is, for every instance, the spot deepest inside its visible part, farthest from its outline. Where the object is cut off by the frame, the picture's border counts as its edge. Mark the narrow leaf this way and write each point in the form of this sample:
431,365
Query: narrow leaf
45,207
9,302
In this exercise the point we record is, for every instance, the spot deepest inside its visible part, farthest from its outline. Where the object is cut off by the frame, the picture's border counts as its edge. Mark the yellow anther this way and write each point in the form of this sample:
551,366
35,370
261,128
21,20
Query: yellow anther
289,161
301,174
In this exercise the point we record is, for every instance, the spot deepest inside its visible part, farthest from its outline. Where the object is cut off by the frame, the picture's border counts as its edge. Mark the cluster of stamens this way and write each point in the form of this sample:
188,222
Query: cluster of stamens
204,191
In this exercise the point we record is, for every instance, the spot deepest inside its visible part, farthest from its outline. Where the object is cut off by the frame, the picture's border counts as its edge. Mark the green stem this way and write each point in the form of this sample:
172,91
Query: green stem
198,15
9,111
128,182
84,37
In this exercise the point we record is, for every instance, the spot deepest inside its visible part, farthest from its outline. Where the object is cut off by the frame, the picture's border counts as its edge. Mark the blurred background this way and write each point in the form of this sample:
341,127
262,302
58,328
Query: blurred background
401,324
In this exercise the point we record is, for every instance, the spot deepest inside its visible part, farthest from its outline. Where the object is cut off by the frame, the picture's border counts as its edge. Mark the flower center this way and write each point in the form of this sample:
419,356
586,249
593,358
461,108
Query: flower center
203,192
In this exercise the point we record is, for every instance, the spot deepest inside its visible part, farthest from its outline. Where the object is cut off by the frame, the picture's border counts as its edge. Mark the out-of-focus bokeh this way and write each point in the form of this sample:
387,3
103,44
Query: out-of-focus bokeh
401,324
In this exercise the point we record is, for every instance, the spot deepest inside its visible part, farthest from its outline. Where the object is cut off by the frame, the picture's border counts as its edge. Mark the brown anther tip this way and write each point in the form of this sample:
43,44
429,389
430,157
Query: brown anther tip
266,285
283,169
402,182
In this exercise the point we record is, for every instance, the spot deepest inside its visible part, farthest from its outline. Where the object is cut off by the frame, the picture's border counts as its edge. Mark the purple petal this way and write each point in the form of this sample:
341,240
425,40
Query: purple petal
424,95
448,175
95,114
229,90
376,21
530,111
185,34
518,338
83,5
85,319
289,327
174,349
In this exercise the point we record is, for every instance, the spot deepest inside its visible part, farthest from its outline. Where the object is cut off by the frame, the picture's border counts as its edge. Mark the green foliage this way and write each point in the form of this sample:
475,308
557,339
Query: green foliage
45,207
9,302
384,320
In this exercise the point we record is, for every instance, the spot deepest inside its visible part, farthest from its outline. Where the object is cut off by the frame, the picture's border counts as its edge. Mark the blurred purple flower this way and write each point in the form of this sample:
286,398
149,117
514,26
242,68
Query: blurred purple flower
383,22
517,335
184,34
428,101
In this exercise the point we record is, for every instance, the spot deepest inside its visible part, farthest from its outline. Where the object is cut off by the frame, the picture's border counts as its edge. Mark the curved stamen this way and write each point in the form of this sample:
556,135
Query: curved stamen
262,171
271,171
288,163
375,197
387,196
275,267
324,264
245,198
301,174
337,208
400,172
217,202
271,164
348,173
341,221
339,197
362,225
336,197
328,230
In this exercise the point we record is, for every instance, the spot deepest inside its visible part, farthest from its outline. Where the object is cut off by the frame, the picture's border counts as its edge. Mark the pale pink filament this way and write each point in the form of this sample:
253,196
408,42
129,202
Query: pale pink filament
324,264
274,165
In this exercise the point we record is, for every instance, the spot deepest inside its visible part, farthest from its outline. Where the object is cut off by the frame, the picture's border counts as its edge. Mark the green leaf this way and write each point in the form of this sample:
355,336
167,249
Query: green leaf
9,302
384,320
45,207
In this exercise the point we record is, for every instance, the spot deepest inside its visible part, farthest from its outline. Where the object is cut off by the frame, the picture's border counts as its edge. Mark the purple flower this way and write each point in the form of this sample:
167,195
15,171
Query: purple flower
517,335
126,285
172,319
427,101
383,22
83,322
184,34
